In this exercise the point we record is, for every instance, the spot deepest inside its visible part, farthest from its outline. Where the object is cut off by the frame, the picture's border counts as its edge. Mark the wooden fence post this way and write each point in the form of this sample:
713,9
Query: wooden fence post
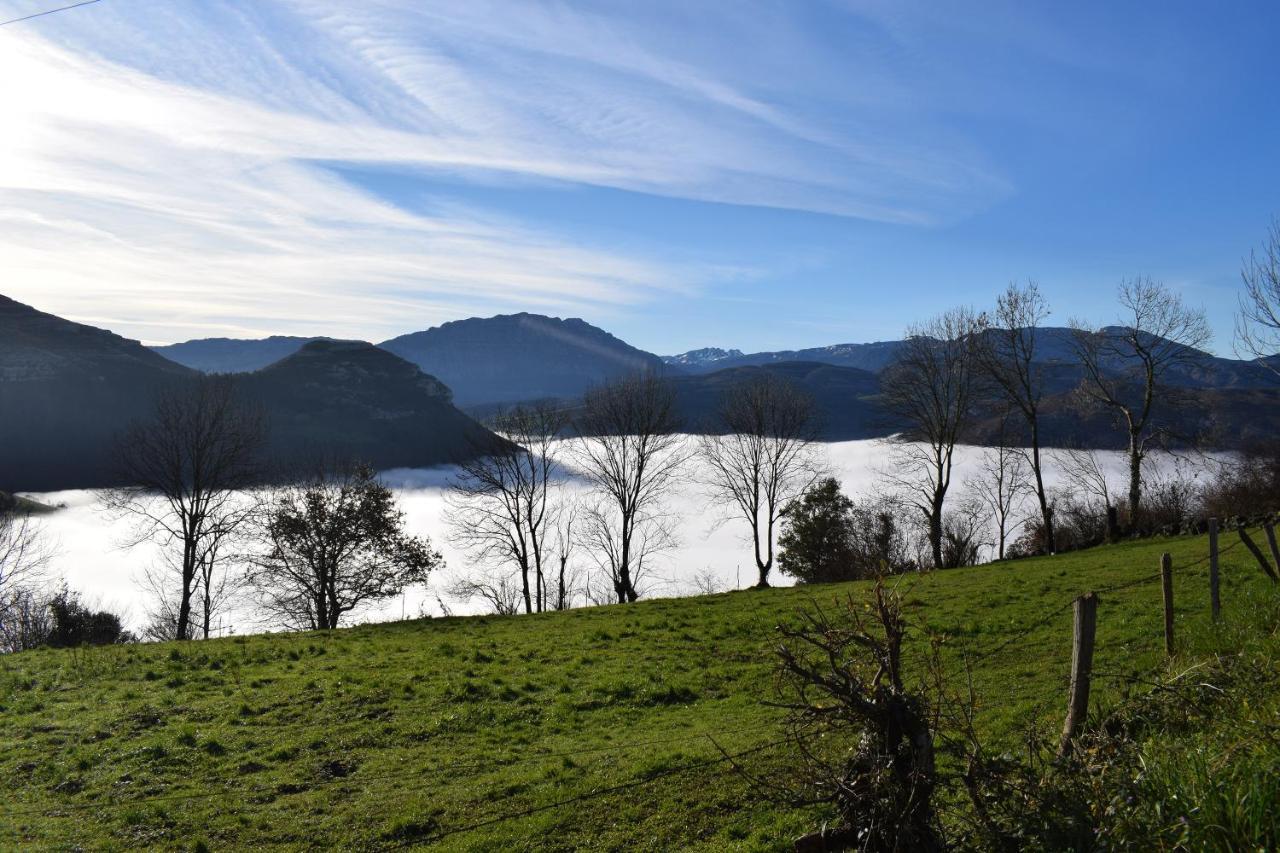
1083,631
1215,600
1166,585
1256,552
1271,540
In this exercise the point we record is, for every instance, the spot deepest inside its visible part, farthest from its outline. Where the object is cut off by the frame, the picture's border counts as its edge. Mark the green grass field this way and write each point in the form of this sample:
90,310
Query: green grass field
395,735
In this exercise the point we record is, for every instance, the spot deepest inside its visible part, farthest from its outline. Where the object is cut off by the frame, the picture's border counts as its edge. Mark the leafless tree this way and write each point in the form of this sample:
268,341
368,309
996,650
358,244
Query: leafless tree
630,452
761,459
1125,367
1258,323
499,506
184,468
965,531
333,543
500,589
24,551
25,619
1086,499
1086,475
931,388
220,583
859,734
566,529
707,582
1003,480
1009,358
603,536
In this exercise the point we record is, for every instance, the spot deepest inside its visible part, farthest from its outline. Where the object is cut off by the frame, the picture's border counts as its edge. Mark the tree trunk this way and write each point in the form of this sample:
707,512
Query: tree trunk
524,579
1135,482
1050,545
626,592
188,575
935,532
560,603
762,565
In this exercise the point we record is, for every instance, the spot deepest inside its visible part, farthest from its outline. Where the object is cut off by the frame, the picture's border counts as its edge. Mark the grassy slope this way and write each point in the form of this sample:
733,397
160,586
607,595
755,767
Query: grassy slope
381,735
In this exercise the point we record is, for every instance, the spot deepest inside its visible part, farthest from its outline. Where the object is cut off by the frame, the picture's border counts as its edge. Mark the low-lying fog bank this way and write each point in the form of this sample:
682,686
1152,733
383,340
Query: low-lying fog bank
92,558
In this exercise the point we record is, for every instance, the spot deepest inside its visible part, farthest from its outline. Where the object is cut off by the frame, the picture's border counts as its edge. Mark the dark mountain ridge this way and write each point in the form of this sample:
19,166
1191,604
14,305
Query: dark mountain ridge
67,390
353,400
846,399
1053,346
872,357
233,355
326,393
513,357
485,361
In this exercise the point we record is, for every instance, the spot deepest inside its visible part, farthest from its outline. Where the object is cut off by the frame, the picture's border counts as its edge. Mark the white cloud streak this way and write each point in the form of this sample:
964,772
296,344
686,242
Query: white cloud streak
168,161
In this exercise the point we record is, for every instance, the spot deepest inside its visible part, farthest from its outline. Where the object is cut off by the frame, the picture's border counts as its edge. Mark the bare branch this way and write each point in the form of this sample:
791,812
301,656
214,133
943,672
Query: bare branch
1125,366
631,453
762,459
932,387
1258,322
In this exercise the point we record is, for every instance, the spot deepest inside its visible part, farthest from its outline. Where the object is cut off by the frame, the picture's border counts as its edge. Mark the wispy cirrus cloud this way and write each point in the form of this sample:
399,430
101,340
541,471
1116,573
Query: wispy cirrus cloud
166,165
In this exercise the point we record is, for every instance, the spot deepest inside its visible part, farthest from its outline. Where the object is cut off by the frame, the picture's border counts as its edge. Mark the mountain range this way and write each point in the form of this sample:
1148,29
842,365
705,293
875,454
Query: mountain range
502,359
66,389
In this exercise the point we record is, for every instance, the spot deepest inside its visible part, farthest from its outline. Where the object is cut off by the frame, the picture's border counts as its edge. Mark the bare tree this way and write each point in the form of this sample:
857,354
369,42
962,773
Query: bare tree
1009,358
334,543
566,529
965,531
499,589
25,619
761,459
931,389
610,548
220,582
183,470
1125,367
630,453
24,558
1004,479
707,582
24,552
1258,323
1086,475
499,506
1088,498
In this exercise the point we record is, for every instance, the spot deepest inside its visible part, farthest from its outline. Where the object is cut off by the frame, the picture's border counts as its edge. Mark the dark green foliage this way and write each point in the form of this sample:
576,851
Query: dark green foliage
337,542
826,537
816,541
77,625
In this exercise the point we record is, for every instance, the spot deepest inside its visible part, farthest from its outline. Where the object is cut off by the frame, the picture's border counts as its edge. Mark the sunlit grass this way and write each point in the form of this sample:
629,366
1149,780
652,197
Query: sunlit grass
390,734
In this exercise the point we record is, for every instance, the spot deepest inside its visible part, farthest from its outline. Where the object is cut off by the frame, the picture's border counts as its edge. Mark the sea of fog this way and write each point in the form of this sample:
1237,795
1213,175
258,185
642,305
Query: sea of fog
92,557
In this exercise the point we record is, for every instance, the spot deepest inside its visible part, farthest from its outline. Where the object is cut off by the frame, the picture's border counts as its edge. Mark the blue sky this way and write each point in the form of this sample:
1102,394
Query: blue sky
758,175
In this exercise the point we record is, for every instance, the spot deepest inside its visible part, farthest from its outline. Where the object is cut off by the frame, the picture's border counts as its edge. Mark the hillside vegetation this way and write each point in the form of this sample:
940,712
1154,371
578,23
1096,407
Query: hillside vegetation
443,731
